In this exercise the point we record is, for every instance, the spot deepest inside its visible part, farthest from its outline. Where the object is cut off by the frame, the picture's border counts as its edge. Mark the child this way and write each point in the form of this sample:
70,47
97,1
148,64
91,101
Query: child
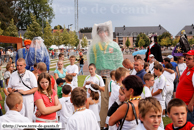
46,100
93,100
146,67
181,65
1,78
150,112
60,82
112,82
159,86
82,119
177,111
15,102
67,106
149,82
69,79
61,57
72,69
35,72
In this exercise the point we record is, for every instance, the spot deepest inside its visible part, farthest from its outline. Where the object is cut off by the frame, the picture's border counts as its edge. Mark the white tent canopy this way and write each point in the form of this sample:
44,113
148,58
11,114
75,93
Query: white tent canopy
54,47
62,47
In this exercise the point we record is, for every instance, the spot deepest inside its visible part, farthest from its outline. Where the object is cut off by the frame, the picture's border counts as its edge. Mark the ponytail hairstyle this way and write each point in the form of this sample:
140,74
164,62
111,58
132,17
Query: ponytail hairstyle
94,95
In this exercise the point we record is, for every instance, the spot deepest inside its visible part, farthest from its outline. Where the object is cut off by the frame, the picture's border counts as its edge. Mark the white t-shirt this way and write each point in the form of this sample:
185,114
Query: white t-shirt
151,66
169,80
112,82
73,69
72,87
114,94
146,92
160,83
83,120
66,111
182,68
132,72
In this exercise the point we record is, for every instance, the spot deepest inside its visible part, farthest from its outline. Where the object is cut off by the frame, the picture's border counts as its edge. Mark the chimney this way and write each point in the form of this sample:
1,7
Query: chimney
123,27
160,27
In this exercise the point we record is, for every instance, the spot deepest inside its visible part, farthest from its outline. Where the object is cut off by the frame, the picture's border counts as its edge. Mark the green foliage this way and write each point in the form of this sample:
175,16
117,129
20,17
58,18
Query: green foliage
11,30
127,43
34,29
144,37
191,41
58,37
76,39
163,36
86,30
1,31
65,36
166,42
73,39
175,41
60,27
39,8
141,42
48,36
84,41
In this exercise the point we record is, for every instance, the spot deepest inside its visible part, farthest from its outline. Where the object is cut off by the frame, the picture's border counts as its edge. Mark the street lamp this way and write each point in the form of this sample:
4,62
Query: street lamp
68,26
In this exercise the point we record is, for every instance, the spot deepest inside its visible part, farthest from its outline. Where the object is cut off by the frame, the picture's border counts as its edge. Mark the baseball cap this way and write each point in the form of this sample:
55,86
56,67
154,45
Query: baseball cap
170,56
151,55
60,80
191,52
92,89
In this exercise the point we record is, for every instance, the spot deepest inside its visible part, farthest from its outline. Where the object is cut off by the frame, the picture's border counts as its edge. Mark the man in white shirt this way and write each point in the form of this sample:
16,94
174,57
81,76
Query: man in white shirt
127,64
72,69
24,82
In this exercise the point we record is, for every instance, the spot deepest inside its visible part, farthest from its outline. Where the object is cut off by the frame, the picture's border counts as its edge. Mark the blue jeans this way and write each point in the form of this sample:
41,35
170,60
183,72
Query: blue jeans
81,69
190,116
1,83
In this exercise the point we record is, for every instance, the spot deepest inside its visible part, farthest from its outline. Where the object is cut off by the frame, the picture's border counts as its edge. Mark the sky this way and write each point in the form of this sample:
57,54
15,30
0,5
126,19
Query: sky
173,15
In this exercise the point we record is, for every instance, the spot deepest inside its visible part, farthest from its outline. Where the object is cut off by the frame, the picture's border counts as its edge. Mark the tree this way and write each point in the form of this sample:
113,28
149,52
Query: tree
65,36
144,37
127,43
48,36
84,41
191,41
141,42
76,39
1,31
39,8
56,27
72,38
163,36
165,42
11,30
34,29
175,41
86,30
58,36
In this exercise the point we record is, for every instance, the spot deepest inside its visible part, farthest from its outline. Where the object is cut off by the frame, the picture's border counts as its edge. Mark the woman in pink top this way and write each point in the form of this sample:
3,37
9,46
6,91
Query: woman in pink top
46,100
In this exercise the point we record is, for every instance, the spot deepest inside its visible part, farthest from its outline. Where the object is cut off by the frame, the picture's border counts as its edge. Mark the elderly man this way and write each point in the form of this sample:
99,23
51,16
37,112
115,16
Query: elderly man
139,64
127,64
24,82
185,88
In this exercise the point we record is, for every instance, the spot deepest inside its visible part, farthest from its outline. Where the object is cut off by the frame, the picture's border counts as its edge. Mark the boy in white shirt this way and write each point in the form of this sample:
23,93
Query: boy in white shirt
68,79
181,65
72,69
149,82
67,106
112,82
15,102
82,119
159,86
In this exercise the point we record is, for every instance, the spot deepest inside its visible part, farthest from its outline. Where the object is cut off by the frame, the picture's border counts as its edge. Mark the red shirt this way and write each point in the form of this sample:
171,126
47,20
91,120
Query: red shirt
52,82
47,103
185,88
187,126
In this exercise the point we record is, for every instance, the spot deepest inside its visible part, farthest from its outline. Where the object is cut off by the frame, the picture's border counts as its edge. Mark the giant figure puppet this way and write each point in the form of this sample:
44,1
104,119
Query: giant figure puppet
107,56
37,53
154,48
22,52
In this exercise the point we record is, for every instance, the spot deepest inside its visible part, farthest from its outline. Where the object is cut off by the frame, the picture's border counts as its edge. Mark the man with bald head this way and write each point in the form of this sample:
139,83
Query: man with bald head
24,82
139,67
129,65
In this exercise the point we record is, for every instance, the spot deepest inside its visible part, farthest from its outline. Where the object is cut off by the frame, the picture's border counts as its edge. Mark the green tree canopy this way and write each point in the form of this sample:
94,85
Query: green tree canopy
39,8
58,36
86,30
73,38
127,43
33,29
144,37
84,41
11,30
166,42
48,36
141,42
175,41
163,36
191,41
65,36
1,31
60,27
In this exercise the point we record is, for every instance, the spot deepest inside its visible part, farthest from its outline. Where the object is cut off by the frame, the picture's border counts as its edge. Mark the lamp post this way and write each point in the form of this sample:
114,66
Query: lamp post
68,26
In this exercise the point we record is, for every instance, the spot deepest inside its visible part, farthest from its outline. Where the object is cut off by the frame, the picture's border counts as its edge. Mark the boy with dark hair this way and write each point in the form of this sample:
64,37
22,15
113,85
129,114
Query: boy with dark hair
67,106
69,79
82,119
177,111
60,82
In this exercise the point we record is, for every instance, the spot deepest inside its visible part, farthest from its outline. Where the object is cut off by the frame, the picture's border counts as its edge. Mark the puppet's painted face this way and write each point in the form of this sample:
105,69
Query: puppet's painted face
152,39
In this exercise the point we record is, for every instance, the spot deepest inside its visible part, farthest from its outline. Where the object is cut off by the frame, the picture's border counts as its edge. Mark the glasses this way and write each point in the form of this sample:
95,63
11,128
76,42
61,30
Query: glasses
188,58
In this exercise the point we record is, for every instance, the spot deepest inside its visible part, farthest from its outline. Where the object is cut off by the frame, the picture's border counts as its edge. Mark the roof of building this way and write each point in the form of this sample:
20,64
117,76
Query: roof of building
189,29
134,31
88,35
